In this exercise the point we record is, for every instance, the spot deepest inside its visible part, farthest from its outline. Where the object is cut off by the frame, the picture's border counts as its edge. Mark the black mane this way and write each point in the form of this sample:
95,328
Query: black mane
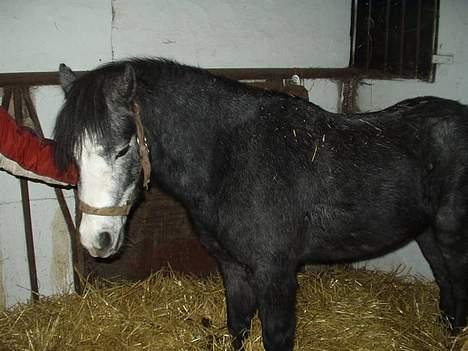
85,109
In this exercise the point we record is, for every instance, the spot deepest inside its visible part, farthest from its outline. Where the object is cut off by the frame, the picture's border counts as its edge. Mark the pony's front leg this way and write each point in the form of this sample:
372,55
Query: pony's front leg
276,297
240,297
240,300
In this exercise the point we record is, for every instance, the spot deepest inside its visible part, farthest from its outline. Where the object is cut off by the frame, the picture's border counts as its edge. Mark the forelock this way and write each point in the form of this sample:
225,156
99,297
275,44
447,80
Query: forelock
85,113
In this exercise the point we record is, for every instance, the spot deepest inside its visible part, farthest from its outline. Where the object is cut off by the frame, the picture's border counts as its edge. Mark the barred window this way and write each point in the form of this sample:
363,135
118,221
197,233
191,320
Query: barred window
396,38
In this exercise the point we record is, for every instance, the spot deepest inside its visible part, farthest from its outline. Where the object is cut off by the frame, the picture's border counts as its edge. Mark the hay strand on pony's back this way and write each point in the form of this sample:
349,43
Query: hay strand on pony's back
338,309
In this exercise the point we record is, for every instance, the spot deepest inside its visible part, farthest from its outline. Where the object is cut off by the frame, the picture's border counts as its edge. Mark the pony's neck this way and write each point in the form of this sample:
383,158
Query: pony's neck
189,124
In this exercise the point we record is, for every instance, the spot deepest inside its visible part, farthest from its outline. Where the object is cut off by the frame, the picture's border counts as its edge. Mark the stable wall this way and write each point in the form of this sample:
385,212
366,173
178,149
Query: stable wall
40,35
37,36
451,80
207,33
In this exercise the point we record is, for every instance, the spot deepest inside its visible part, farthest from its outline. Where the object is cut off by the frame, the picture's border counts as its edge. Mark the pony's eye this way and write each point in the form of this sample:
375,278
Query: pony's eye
122,152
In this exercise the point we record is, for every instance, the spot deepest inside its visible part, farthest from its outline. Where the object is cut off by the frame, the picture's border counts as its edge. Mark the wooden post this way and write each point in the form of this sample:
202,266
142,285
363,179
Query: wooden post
77,259
18,105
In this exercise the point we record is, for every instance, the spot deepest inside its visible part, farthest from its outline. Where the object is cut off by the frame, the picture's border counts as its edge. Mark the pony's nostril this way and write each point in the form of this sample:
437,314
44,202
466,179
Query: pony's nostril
104,240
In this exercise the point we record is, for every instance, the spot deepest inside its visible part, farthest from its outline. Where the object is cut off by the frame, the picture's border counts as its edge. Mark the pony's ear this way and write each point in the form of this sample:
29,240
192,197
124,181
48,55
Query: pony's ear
66,76
124,86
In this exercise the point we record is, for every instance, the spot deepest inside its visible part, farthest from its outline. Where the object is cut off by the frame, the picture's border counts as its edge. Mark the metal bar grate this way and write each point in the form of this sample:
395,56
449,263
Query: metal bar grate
394,37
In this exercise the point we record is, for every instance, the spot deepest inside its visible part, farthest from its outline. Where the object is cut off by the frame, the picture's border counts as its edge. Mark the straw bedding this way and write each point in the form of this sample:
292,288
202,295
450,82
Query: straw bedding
338,309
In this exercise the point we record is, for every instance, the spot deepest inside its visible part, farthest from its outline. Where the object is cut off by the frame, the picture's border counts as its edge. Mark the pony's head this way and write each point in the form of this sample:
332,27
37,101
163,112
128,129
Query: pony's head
97,128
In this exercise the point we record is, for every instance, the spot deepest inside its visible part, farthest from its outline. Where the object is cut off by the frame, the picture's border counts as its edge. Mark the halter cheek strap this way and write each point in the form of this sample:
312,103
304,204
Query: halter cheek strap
145,166
143,147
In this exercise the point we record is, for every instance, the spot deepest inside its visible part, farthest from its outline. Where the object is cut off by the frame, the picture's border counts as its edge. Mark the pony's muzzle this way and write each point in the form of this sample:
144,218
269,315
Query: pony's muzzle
103,247
102,236
101,251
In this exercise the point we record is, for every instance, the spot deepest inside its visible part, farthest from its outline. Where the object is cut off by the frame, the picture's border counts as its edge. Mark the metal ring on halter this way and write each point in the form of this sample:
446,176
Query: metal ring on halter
145,165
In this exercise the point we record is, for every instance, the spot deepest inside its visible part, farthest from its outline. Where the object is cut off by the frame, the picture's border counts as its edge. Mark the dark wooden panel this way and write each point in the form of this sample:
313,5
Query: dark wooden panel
159,236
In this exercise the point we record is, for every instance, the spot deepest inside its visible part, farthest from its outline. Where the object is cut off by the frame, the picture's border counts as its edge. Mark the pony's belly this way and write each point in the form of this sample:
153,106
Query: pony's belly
351,246
341,236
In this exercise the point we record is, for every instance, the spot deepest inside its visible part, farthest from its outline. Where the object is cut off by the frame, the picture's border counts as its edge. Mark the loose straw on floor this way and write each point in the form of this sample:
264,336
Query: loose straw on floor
337,309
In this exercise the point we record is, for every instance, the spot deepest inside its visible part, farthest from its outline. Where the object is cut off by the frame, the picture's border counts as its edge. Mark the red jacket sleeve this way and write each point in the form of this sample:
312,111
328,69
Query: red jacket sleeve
31,152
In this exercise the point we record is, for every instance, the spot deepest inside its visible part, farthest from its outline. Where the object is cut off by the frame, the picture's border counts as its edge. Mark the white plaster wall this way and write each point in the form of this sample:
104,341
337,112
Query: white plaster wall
37,35
451,81
40,34
51,240
235,33
239,34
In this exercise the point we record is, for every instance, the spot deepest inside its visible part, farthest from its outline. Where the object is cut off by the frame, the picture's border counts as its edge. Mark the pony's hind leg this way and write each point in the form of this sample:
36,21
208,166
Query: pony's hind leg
452,236
457,262
432,252
240,301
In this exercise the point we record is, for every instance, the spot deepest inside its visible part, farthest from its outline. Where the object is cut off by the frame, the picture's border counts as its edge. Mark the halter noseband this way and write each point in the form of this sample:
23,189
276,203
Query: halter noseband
145,166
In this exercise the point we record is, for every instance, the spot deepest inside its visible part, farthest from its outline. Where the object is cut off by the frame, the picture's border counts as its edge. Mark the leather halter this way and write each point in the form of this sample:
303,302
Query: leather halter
145,166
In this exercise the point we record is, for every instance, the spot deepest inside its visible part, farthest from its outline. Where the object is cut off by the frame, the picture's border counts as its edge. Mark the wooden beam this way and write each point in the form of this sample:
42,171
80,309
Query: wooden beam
52,78
18,105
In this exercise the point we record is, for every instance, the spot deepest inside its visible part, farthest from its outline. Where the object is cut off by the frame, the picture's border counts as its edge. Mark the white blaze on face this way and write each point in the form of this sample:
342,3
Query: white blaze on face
99,187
